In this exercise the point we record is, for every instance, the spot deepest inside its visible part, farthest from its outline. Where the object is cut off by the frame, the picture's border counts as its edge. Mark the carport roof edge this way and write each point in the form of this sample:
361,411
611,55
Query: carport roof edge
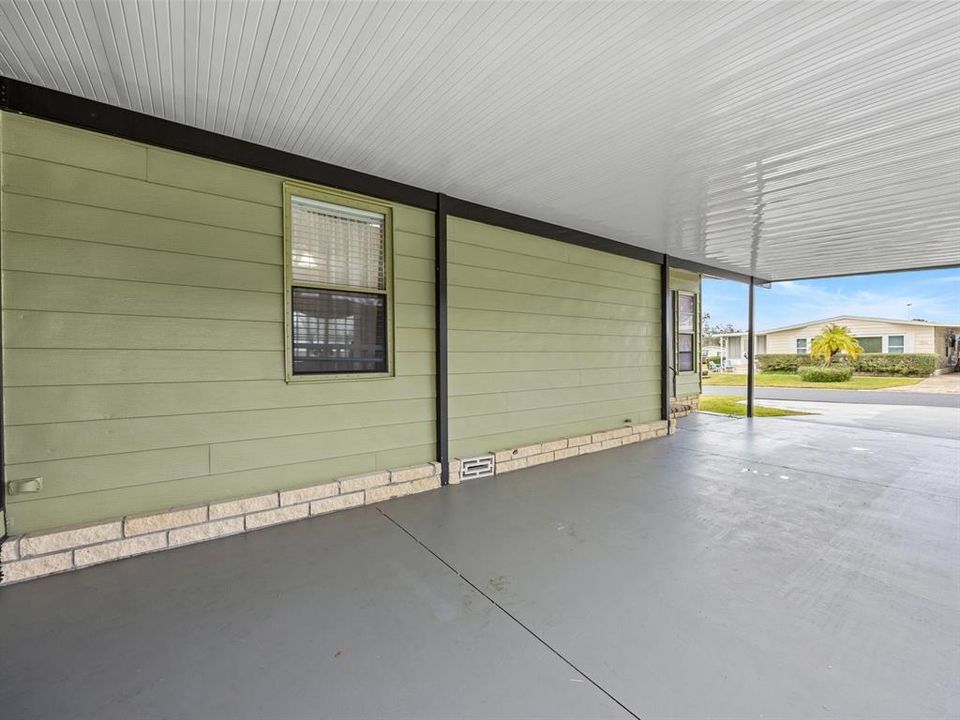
43,103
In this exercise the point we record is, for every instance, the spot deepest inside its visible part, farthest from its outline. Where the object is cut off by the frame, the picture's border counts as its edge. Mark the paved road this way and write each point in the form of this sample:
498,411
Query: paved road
935,422
843,396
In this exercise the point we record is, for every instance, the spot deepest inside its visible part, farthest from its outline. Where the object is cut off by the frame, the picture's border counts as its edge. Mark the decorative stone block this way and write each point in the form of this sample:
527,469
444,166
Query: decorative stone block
511,465
41,544
206,531
454,472
9,549
394,490
553,446
28,569
630,439
415,472
306,494
340,502
255,521
356,483
128,547
577,441
155,522
611,443
539,459
592,447
565,453
242,506
621,432
516,453
599,437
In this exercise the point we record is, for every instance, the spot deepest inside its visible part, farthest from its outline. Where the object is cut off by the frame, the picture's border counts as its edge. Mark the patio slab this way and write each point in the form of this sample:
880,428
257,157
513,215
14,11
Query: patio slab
761,568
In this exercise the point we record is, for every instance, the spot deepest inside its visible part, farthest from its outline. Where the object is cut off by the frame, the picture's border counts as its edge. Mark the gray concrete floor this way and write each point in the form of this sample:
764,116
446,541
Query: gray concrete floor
764,568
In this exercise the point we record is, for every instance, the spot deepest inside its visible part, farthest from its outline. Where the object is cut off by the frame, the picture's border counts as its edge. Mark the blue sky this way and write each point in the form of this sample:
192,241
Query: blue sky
933,295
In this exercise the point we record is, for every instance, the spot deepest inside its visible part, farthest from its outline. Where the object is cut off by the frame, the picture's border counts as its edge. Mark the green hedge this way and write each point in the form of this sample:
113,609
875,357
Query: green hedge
783,363
834,373
907,364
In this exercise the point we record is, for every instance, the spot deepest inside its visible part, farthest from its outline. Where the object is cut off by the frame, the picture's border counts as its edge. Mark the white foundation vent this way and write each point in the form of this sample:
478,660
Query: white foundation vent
476,467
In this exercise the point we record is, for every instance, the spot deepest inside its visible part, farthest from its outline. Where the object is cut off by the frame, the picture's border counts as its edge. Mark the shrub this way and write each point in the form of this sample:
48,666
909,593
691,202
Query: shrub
833,373
906,364
783,363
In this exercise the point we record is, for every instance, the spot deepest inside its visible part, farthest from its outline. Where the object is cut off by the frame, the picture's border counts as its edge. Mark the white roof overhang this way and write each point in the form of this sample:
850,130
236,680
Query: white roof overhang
780,140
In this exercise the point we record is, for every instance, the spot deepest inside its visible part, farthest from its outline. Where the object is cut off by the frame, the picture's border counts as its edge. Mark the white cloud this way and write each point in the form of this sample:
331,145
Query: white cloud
799,301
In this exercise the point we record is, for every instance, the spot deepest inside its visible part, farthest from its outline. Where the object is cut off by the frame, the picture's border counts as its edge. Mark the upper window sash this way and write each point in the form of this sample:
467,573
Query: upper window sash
337,246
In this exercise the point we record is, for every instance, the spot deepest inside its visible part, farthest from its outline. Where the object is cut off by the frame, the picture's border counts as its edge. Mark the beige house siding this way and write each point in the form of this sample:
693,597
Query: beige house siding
916,338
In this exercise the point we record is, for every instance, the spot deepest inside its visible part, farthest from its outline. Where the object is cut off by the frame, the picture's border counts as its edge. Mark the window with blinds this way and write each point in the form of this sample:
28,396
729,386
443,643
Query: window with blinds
338,287
686,319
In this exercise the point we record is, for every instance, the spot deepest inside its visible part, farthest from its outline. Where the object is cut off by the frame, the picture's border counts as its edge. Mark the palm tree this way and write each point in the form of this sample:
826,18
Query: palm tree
835,339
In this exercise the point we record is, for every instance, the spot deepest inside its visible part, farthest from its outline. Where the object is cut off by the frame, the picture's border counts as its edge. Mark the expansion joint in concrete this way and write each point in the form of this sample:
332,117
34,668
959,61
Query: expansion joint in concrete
508,614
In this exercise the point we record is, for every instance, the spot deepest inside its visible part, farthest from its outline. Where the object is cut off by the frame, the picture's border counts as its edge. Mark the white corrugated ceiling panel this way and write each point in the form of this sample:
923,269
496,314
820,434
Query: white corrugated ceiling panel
783,139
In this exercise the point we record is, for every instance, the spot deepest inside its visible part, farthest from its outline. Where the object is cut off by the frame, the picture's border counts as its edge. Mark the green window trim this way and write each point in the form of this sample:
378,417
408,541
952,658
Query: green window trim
347,200
693,334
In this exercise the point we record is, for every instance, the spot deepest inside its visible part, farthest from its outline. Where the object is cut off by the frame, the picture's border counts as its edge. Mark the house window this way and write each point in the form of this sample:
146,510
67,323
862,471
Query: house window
895,344
871,344
801,346
338,284
686,322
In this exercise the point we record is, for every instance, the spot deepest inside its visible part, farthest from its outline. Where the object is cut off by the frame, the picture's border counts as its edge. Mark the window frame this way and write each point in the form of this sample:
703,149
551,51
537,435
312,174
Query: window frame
348,200
806,346
902,345
695,344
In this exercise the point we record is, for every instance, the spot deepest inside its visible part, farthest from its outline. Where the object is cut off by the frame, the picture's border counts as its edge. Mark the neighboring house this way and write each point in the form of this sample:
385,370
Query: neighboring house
875,335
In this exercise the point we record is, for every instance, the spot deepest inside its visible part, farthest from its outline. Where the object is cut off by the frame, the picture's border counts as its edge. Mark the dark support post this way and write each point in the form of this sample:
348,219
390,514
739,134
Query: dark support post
440,280
750,346
666,339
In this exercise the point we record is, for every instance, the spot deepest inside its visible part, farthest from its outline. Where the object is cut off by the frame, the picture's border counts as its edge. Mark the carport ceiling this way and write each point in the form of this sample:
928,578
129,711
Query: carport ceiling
783,140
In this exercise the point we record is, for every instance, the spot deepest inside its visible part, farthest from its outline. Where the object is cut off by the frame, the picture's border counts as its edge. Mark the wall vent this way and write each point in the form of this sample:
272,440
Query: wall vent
476,467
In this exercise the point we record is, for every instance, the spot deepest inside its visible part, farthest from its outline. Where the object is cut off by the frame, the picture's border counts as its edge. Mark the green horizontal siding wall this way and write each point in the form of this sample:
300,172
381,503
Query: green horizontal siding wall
143,335
688,383
546,339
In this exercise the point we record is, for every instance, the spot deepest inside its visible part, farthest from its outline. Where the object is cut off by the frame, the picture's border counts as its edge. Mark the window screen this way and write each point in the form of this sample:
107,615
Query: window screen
338,288
895,344
686,327
338,332
871,344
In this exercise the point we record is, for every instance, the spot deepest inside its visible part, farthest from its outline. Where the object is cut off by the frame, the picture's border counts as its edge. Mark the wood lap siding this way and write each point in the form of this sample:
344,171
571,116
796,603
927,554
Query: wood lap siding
547,340
143,335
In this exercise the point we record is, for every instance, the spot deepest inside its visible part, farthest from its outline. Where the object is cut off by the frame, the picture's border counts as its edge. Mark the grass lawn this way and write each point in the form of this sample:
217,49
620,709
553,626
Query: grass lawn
732,405
791,380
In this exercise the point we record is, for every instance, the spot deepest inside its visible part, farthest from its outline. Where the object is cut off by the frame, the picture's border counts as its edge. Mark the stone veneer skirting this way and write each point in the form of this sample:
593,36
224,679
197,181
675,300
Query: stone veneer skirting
34,555
684,405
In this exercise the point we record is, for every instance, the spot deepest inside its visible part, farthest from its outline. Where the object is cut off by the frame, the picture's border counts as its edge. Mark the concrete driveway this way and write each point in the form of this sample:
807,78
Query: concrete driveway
739,569
948,384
